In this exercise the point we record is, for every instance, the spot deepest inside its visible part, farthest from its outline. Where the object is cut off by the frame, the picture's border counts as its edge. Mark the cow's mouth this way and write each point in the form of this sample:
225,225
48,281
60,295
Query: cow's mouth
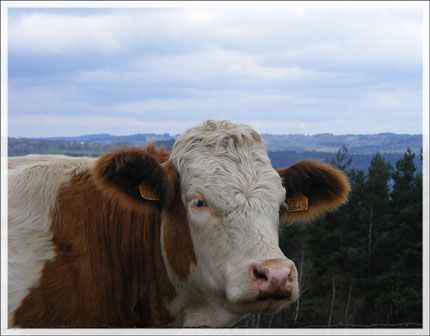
278,297
277,300
268,304
265,305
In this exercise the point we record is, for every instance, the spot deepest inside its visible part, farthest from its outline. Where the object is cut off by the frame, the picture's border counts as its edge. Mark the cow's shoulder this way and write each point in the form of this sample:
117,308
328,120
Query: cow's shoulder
30,164
34,182
34,159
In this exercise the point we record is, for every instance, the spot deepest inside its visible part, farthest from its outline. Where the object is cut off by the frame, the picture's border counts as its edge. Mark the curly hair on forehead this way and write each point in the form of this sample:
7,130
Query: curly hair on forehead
216,134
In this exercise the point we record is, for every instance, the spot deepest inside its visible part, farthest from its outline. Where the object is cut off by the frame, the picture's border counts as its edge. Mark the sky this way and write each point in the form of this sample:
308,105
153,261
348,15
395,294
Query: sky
155,70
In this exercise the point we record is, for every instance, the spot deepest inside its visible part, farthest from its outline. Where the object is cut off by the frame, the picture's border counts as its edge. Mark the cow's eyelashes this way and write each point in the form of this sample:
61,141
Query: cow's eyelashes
200,203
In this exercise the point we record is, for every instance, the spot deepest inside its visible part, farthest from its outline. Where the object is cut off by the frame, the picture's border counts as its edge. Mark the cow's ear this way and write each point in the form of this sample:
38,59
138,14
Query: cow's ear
312,189
135,175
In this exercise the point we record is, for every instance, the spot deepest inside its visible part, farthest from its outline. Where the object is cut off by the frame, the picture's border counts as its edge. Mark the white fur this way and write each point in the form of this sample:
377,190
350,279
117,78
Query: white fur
228,165
33,184
31,159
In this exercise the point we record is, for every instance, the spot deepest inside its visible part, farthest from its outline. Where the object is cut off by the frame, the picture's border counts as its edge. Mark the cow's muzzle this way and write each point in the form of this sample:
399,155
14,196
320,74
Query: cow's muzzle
273,279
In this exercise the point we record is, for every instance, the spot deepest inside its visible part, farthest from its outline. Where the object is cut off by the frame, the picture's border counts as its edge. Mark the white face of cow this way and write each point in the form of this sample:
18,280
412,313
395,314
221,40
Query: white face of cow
232,197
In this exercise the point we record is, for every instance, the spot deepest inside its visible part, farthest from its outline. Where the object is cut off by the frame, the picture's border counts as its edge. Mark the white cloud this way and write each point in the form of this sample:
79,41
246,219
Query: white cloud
282,70
273,113
325,34
406,101
204,66
59,34
97,75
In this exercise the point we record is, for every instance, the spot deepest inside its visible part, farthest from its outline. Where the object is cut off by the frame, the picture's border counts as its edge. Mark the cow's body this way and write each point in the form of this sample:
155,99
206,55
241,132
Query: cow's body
86,250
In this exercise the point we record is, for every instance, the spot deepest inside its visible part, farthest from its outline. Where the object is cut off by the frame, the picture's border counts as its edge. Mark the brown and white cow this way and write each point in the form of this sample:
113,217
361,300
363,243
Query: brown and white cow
142,237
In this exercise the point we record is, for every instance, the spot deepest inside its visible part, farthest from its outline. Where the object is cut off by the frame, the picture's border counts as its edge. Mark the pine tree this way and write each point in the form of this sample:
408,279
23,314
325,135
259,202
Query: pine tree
406,242
376,205
342,160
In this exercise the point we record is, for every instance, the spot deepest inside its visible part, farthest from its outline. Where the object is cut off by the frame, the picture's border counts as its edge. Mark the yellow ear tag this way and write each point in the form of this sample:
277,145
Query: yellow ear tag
298,202
147,193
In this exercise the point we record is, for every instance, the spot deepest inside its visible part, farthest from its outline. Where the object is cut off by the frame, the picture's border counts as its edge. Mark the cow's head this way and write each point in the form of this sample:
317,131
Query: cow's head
222,203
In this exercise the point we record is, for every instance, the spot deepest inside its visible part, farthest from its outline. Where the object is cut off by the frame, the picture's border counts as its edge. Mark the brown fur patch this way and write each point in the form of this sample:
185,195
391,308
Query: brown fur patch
177,237
108,269
325,186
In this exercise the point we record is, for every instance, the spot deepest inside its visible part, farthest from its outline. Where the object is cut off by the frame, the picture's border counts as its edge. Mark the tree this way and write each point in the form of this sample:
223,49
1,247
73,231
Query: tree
406,241
342,160
377,196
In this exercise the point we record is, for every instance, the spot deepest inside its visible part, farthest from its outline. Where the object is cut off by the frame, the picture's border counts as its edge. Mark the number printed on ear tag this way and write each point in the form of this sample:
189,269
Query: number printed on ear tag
147,193
298,202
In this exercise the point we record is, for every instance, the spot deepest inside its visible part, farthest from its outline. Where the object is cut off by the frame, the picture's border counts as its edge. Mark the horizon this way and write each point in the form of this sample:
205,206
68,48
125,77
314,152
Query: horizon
178,134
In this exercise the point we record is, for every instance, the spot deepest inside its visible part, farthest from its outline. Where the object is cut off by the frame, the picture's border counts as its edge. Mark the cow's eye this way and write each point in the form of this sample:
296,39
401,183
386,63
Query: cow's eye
199,203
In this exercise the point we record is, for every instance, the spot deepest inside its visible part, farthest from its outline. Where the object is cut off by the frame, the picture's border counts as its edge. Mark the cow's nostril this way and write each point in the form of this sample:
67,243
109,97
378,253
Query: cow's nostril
260,275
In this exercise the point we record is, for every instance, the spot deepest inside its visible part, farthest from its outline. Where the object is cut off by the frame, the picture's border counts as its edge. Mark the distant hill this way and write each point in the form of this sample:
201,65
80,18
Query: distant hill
283,149
135,139
359,161
356,143
325,142
24,146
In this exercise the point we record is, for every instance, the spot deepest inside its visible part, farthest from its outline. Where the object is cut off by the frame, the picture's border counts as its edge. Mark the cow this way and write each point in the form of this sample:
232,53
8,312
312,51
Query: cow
144,237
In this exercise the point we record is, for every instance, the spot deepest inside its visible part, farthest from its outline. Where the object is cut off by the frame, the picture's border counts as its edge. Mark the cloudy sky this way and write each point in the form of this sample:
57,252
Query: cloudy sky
282,70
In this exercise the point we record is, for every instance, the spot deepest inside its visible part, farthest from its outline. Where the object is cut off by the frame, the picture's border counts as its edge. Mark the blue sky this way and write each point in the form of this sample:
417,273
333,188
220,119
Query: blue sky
281,70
